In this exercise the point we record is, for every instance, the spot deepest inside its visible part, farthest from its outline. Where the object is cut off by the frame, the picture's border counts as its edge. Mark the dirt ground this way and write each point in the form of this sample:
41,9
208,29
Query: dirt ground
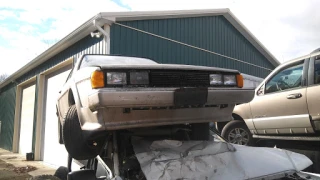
9,172
13,166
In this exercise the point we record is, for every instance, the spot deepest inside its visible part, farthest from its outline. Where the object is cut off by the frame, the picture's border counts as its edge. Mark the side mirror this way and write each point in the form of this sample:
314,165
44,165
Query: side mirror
260,90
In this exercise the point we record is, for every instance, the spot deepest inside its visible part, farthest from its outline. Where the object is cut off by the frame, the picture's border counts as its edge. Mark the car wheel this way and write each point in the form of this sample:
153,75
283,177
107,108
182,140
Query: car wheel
237,132
62,173
75,141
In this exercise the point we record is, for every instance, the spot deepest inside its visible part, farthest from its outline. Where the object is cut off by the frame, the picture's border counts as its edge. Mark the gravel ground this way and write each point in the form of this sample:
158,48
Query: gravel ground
9,172
14,166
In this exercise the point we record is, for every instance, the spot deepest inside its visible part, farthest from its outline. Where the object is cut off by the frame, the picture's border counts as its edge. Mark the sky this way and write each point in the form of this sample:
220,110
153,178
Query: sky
287,28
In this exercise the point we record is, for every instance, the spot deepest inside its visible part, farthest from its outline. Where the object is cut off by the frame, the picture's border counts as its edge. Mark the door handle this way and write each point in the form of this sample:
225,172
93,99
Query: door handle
294,96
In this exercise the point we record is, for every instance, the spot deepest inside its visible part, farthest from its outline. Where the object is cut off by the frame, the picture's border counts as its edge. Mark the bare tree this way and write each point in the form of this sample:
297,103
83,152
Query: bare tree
3,77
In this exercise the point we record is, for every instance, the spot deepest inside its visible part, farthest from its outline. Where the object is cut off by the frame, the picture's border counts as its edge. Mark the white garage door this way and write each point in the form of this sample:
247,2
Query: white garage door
26,120
53,152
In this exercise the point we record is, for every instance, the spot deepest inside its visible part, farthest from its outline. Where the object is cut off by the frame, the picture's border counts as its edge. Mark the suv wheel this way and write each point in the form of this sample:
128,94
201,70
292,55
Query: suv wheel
76,143
237,132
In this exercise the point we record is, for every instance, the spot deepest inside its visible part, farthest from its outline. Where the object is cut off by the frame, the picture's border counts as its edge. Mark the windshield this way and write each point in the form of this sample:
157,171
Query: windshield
102,60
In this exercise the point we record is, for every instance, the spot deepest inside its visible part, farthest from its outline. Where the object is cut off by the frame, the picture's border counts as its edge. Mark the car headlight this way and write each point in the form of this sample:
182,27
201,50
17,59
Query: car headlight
116,78
139,78
230,80
216,79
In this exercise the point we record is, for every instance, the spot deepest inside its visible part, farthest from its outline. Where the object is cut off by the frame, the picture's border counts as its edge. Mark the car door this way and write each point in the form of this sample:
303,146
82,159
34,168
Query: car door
280,105
313,91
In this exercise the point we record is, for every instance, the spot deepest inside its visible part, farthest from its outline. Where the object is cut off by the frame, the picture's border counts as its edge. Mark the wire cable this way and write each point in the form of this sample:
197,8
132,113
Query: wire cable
188,45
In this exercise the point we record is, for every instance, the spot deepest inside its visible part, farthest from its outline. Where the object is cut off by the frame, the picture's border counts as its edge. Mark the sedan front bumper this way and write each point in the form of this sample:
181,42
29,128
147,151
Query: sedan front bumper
131,108
163,97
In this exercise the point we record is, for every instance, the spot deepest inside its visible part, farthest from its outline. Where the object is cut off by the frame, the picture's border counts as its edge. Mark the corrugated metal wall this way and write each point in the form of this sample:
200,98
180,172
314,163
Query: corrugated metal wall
211,33
8,93
7,109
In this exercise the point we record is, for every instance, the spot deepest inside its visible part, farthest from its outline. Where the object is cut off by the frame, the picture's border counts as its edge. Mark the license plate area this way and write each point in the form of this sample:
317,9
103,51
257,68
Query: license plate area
190,96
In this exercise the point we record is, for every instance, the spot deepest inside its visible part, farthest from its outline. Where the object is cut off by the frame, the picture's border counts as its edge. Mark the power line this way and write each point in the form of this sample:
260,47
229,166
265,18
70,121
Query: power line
188,45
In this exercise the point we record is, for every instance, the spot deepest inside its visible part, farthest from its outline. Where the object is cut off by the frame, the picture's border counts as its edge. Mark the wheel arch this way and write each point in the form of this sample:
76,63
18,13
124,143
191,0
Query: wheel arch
220,125
237,117
71,100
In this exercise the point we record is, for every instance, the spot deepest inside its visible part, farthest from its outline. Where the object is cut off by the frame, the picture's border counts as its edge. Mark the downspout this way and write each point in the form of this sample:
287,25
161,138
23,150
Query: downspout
107,37
106,23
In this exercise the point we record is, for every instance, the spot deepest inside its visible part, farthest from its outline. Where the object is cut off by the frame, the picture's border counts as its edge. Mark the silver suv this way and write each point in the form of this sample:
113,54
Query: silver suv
286,105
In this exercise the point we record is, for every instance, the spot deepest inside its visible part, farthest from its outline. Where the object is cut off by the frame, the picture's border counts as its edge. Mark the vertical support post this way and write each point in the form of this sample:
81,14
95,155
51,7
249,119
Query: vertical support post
115,155
69,163
16,131
107,38
38,129
35,114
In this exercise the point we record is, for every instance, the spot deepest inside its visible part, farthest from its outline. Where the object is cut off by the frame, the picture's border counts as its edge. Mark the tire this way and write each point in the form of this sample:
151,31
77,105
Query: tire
45,177
237,132
79,145
62,173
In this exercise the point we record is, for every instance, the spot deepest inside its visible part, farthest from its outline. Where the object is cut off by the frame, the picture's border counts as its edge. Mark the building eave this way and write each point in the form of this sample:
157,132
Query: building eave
251,38
147,15
61,45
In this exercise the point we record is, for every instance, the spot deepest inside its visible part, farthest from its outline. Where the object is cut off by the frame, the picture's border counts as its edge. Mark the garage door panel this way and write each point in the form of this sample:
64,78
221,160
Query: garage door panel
26,119
53,152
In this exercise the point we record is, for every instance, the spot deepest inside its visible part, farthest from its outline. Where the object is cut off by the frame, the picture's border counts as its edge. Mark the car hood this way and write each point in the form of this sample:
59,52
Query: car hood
168,67
168,159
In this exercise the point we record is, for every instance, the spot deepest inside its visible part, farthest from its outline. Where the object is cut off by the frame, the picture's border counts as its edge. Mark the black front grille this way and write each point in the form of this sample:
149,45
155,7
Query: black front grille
179,78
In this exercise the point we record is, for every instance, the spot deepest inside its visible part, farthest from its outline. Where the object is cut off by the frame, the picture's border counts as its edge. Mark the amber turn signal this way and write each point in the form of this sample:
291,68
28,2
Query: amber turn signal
239,80
97,79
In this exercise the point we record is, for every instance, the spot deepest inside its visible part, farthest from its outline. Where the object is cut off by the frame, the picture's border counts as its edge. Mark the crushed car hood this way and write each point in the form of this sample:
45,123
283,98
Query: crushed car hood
167,159
168,67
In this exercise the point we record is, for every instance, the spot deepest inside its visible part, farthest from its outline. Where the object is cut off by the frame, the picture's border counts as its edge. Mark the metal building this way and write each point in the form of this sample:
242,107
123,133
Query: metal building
197,37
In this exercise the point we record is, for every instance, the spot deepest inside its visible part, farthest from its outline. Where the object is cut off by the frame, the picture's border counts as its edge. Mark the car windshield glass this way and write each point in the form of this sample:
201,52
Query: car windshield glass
96,60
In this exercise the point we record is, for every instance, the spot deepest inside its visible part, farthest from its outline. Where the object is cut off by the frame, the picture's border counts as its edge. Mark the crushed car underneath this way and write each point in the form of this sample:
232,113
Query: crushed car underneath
187,152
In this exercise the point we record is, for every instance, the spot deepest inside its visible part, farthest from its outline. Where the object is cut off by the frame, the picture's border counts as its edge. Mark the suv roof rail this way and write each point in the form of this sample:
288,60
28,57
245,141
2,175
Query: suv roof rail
316,50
